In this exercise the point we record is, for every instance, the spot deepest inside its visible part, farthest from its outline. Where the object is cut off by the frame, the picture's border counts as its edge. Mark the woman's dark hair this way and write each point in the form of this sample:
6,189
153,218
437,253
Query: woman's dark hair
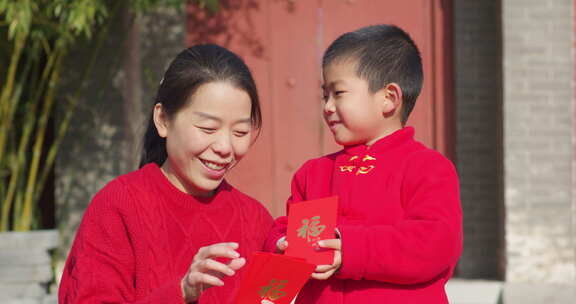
192,68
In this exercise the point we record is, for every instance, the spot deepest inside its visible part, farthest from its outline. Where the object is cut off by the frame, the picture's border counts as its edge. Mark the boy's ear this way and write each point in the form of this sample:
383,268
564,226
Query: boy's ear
390,99
160,120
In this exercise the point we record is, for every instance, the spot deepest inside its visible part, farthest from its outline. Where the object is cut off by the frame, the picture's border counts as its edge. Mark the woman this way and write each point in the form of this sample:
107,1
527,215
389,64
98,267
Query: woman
173,229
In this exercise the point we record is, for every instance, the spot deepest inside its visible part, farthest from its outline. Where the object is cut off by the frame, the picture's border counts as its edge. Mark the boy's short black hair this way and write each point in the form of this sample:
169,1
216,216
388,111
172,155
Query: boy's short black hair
383,54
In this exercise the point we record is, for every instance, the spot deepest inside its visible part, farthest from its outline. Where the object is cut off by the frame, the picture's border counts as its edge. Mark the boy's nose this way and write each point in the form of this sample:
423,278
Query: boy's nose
329,106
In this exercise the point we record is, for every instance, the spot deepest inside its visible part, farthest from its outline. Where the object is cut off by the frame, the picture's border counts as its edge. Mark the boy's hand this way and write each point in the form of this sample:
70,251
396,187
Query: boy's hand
281,245
323,272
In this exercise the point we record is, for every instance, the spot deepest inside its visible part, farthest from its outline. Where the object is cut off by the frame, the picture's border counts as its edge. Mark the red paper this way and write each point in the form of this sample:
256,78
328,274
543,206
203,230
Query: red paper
308,223
273,279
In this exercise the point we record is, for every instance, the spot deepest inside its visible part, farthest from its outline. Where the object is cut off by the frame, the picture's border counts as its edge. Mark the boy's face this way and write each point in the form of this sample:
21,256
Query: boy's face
351,111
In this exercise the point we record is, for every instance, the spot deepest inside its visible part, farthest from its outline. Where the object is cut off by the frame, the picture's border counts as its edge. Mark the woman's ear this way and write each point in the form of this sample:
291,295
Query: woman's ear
160,120
391,99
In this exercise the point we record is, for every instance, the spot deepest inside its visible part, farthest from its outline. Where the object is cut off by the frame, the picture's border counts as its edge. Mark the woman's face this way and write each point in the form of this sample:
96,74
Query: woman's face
206,138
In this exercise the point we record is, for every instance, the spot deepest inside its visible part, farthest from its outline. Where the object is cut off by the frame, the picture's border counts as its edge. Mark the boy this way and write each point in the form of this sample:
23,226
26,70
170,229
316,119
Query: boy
399,219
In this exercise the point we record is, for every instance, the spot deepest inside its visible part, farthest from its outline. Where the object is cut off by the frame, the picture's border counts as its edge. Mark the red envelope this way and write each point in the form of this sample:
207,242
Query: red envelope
309,222
273,279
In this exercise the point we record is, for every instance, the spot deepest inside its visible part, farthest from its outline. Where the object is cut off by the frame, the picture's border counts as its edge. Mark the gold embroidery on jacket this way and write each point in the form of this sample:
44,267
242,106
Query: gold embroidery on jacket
364,169
368,157
347,168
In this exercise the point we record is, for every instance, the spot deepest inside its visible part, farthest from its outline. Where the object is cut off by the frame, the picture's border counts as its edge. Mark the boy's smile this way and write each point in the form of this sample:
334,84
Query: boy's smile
351,111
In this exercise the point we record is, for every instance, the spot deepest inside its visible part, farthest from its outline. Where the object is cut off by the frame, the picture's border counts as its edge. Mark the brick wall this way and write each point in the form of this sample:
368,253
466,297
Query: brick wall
538,150
477,43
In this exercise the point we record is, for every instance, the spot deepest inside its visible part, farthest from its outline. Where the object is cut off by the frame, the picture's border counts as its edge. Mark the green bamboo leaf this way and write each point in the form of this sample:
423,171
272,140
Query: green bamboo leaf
3,6
57,10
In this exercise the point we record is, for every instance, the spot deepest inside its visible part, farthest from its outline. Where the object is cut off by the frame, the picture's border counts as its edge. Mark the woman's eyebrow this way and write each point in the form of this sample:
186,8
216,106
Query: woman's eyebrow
208,116
212,117
244,120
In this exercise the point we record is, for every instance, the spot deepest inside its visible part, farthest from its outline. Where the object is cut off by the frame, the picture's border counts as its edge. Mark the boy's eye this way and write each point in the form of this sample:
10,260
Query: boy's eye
338,93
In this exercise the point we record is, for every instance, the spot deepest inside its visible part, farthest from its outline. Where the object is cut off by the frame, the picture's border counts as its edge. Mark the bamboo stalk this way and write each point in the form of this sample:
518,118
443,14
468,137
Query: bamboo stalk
27,210
15,169
17,208
29,123
6,108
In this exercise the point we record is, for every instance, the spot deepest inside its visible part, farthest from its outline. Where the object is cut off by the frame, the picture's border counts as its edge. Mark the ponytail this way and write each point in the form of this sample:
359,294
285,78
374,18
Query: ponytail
154,146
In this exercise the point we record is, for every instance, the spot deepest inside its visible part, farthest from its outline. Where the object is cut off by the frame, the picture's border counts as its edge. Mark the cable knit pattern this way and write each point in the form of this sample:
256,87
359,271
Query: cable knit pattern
140,233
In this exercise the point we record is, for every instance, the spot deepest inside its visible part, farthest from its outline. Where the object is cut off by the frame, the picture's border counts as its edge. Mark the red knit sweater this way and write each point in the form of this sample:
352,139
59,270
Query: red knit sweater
140,233
399,217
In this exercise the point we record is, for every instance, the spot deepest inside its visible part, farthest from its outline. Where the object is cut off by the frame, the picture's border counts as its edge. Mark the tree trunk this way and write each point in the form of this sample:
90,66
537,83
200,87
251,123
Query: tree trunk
132,91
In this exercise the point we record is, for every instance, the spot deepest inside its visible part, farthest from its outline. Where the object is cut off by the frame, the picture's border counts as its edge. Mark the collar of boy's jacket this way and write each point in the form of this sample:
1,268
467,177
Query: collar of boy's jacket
385,143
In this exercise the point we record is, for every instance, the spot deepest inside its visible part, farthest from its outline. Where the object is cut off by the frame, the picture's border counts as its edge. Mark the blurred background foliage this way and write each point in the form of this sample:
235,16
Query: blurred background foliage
37,36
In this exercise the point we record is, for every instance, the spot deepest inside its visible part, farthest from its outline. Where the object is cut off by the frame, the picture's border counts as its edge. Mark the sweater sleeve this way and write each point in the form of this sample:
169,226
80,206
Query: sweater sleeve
422,246
297,194
100,267
264,223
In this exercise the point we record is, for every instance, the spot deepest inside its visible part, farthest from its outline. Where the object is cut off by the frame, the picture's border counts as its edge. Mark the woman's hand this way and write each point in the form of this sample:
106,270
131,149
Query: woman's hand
206,272
323,272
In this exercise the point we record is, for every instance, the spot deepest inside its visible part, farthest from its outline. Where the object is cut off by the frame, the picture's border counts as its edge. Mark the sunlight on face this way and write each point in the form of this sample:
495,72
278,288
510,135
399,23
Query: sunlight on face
207,137
351,111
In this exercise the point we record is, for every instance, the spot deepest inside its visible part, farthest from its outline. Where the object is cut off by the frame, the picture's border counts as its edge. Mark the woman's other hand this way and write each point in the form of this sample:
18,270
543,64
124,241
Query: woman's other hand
206,272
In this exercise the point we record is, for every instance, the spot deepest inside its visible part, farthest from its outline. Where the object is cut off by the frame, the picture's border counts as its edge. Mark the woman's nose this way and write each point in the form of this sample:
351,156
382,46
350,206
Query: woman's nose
223,144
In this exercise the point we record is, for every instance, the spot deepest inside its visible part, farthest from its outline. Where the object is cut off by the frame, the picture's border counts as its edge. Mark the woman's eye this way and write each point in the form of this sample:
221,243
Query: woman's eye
207,130
241,133
338,93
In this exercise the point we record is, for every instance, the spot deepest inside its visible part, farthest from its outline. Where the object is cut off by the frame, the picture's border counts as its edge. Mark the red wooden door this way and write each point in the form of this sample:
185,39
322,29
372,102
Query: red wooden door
283,40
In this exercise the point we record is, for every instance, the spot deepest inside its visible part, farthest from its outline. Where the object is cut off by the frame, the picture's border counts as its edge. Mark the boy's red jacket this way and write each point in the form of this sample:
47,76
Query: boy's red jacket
399,217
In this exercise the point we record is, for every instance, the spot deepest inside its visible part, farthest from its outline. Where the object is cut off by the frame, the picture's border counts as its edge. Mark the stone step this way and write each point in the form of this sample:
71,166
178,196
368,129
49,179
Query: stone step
23,301
539,293
21,256
51,299
25,274
21,290
462,291
47,239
